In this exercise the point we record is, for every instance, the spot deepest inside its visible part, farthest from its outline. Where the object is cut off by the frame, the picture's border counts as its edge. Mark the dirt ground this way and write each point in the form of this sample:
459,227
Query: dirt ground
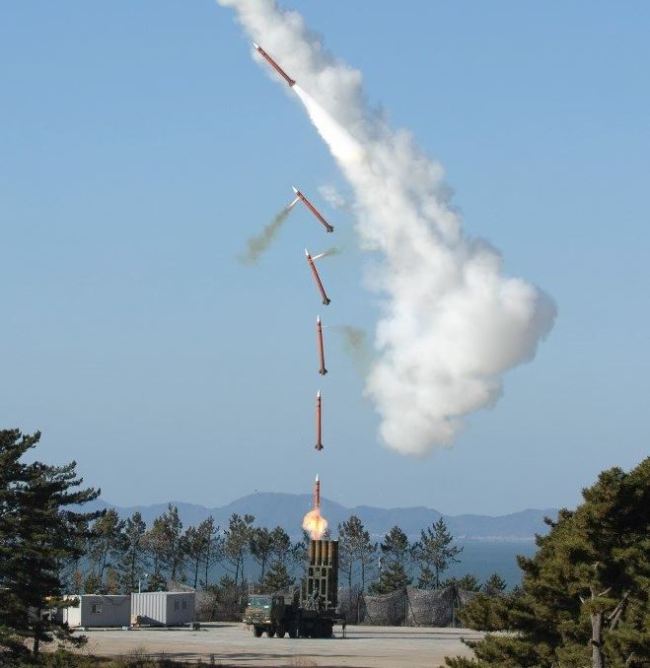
234,645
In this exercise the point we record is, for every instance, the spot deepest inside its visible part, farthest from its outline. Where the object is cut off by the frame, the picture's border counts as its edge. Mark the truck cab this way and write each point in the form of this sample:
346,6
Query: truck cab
271,615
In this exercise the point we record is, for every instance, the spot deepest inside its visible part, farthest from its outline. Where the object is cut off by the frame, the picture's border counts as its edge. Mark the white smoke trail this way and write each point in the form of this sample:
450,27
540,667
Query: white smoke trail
452,323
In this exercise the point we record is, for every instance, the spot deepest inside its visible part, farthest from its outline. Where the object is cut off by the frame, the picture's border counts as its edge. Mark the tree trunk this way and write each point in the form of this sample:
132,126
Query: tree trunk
37,632
597,657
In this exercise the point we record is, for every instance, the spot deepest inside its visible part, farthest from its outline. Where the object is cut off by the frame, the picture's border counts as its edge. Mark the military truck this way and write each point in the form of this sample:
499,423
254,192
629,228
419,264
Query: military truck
308,613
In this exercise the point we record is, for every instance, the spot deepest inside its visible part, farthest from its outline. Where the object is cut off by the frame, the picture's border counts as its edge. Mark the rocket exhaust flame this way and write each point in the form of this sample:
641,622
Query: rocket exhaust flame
313,522
315,274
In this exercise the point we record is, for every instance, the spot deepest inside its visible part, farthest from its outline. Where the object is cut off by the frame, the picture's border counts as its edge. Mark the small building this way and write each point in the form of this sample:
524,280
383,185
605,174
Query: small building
162,608
98,610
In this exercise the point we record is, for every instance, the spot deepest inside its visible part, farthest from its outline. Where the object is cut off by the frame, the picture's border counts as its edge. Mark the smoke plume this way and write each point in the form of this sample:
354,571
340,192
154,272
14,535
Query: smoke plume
451,323
355,343
258,244
334,250
332,196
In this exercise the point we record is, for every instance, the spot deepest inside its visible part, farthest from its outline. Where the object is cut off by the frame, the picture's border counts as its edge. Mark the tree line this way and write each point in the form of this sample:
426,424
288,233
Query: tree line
121,556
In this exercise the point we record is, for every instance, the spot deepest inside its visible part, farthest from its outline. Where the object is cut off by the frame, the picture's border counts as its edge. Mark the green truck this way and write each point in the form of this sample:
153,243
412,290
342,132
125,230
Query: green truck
308,613
278,616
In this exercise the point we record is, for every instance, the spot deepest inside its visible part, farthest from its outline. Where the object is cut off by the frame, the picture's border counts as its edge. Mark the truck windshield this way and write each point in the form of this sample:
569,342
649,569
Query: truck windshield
259,601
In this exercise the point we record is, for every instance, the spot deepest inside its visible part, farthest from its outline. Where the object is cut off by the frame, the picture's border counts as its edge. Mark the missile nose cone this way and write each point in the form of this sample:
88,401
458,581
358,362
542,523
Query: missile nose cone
306,252
257,46
316,477
318,394
318,319
294,189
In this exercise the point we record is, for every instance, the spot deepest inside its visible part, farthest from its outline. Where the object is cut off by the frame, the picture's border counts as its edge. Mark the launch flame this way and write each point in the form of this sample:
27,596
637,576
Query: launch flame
314,524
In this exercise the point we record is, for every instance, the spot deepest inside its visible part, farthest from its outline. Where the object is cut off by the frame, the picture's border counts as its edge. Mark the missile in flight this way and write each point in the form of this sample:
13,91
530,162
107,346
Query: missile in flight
316,499
321,349
319,427
314,210
314,271
274,65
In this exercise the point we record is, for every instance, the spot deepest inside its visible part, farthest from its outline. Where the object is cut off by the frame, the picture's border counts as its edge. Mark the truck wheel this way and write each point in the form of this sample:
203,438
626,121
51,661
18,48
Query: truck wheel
293,632
270,632
279,632
257,631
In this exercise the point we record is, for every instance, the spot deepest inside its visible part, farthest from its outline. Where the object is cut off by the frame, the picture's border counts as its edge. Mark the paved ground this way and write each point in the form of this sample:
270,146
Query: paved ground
234,645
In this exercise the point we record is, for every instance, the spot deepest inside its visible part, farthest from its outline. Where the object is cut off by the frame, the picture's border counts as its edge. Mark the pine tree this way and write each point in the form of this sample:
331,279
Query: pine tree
106,542
237,544
585,594
280,545
261,548
175,553
38,534
468,582
356,547
494,585
435,552
155,544
277,578
133,560
212,547
395,555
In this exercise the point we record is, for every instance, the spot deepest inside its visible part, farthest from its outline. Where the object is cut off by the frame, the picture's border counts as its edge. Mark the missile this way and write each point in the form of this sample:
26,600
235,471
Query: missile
274,65
319,283
313,209
319,430
317,492
321,350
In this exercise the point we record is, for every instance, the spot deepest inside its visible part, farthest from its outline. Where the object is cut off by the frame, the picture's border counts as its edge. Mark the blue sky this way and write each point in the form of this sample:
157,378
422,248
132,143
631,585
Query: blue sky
141,146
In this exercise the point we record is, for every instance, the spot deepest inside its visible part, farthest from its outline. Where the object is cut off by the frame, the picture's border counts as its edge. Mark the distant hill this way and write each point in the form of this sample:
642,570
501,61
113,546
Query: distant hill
272,509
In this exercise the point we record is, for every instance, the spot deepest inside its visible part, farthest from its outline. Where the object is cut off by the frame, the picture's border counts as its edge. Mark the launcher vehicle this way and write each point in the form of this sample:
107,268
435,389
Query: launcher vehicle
308,613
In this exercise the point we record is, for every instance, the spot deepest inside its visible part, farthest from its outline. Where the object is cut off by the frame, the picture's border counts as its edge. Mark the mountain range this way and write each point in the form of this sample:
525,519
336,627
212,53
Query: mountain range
287,510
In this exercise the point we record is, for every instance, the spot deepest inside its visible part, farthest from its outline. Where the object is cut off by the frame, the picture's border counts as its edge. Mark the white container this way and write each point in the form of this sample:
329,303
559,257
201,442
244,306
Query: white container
97,610
162,608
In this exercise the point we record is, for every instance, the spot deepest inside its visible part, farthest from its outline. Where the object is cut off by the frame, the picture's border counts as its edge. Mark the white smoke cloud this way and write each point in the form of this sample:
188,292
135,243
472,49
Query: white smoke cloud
452,323
332,196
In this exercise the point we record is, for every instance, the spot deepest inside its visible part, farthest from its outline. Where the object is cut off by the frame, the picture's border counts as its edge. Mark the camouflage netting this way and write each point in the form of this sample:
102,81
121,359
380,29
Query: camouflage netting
386,609
351,604
464,596
430,607
405,607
